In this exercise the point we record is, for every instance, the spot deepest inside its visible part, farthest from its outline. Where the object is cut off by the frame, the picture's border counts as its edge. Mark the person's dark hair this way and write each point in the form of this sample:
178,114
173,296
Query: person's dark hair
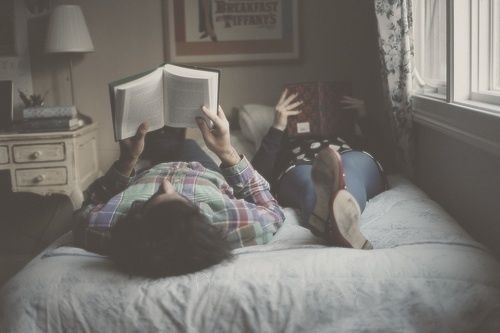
171,238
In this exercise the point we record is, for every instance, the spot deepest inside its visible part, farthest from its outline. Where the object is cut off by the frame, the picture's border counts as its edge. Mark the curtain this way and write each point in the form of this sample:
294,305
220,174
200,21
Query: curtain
395,26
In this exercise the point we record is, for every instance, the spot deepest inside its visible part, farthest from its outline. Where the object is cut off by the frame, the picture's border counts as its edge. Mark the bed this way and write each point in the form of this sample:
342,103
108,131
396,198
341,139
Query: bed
425,274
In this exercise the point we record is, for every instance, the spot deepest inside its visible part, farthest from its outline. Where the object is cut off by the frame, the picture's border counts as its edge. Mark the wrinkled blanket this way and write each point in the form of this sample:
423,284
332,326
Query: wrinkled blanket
424,275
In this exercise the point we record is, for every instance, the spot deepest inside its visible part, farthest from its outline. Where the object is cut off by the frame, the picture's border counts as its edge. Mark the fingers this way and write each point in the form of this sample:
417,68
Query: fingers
203,126
142,130
213,117
290,98
350,107
349,98
283,95
221,113
294,105
293,112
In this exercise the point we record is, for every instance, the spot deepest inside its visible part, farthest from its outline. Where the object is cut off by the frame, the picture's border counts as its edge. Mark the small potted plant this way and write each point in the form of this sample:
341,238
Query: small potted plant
32,100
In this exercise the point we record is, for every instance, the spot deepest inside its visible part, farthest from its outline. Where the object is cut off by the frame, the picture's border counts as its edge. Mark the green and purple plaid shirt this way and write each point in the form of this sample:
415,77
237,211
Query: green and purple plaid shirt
238,202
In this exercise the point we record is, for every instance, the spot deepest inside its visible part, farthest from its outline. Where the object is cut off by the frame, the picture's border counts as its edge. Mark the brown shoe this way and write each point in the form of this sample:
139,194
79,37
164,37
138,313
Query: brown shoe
336,214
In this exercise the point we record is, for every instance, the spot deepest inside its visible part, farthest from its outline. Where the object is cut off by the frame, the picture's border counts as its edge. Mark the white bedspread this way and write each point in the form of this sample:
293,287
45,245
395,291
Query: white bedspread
425,275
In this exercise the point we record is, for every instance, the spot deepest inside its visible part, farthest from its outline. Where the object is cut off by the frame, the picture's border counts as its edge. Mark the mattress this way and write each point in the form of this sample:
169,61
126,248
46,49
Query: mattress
424,275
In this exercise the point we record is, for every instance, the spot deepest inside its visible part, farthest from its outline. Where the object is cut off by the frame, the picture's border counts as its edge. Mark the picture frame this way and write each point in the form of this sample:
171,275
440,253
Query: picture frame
232,32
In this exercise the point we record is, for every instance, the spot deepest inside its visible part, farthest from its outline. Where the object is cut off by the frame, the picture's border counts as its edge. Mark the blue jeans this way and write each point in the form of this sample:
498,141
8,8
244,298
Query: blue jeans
363,179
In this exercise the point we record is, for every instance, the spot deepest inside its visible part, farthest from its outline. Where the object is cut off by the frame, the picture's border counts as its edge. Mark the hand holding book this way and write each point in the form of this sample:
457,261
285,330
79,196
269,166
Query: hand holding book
217,137
351,103
131,149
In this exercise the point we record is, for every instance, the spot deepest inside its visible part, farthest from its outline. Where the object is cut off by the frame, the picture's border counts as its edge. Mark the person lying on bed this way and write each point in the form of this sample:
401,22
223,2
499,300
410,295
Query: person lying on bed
178,217
334,181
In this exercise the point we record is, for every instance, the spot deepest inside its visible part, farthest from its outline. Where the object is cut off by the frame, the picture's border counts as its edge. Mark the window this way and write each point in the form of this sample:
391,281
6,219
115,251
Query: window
496,40
471,29
485,45
430,45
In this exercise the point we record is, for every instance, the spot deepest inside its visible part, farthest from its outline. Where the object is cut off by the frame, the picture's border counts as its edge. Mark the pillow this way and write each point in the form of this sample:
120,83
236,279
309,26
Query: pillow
255,121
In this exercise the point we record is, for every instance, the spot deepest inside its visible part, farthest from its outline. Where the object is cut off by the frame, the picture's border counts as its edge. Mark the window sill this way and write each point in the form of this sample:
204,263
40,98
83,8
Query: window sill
486,100
471,123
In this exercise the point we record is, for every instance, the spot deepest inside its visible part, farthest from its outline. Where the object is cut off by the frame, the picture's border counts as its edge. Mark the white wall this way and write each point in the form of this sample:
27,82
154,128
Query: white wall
18,68
465,180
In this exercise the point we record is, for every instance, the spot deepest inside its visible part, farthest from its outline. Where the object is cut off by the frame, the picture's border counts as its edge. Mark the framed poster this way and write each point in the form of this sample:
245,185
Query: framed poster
231,32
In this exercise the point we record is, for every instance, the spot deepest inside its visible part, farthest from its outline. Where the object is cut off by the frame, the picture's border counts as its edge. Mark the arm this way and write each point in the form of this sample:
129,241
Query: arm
358,106
103,189
245,181
119,175
264,160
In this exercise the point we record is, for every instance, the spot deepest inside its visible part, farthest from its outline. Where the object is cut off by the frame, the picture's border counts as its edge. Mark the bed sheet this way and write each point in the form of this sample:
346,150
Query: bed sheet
425,274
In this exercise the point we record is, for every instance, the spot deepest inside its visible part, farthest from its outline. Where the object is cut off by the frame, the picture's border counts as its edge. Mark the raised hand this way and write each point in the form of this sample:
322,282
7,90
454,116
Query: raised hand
131,149
286,107
351,103
217,138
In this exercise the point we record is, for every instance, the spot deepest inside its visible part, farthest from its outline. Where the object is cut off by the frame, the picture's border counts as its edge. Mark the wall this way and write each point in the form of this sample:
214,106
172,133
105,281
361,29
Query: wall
465,180
339,40
18,68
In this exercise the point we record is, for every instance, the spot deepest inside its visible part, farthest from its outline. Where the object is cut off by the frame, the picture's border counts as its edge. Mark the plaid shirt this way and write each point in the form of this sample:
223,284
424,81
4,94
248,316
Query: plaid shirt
238,202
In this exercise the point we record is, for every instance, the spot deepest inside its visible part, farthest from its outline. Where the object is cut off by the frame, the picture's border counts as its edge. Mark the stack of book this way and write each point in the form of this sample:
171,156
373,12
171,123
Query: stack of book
45,119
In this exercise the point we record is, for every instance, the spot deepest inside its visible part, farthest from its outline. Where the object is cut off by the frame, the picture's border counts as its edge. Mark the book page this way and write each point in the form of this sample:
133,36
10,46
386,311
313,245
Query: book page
142,101
184,98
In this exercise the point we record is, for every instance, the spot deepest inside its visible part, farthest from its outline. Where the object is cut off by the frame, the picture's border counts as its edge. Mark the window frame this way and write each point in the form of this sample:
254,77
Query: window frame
471,75
472,122
483,52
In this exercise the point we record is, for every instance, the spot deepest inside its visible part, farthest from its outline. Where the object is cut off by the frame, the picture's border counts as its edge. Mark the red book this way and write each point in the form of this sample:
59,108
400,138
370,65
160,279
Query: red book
322,114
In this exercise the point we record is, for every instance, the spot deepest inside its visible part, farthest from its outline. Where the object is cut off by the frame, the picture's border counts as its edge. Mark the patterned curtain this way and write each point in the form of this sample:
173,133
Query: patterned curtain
395,26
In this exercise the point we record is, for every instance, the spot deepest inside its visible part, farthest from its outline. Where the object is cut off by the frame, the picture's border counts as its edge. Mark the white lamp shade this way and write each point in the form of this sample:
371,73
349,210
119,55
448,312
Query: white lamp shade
67,31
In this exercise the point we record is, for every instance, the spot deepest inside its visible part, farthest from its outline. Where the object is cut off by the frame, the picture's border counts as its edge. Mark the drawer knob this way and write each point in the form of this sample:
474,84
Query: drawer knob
39,178
36,155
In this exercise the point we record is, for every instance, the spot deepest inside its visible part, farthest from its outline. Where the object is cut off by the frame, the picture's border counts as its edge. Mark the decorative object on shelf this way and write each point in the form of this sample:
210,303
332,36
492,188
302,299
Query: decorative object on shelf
49,112
48,125
32,100
231,32
47,119
67,33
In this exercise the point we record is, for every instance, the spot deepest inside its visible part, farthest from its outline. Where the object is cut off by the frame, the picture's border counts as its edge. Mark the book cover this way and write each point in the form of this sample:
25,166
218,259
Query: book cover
43,112
322,114
48,124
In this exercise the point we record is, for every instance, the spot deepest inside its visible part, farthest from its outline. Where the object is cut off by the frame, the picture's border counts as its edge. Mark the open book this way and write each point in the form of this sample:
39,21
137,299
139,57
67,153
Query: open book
322,114
168,95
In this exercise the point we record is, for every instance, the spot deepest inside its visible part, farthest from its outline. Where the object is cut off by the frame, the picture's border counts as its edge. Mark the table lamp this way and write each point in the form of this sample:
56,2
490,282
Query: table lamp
68,33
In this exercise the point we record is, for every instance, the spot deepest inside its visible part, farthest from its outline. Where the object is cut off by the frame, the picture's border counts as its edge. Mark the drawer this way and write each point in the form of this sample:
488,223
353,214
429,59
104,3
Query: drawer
39,152
41,176
4,154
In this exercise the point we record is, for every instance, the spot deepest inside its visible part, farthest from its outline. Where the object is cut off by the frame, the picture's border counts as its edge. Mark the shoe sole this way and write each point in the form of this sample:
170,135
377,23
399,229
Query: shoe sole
347,213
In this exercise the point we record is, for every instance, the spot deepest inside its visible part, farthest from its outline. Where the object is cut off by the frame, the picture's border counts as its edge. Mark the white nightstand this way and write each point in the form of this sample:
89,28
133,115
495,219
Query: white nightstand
51,162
